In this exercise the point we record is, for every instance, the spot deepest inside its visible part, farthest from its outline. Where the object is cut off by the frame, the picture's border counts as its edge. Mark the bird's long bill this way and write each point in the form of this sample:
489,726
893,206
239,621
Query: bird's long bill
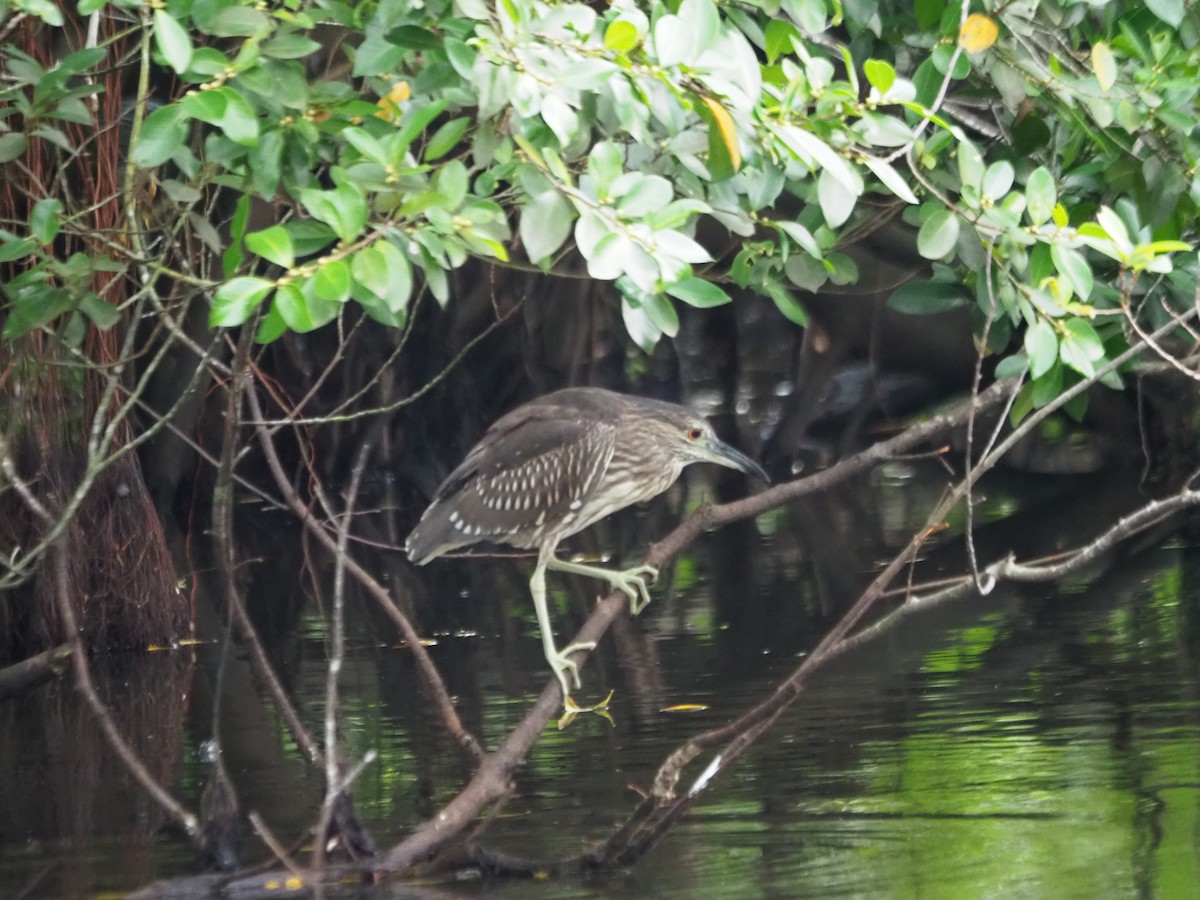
724,455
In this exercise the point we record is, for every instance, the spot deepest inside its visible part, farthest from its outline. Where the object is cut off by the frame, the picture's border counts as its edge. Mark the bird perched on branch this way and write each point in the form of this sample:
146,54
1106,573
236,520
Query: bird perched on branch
554,466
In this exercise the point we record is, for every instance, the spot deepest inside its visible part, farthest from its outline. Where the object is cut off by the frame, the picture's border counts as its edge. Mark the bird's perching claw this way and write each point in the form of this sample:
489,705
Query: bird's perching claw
571,709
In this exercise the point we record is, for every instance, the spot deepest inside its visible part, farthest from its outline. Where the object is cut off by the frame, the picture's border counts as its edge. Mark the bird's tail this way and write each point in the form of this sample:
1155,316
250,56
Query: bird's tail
427,541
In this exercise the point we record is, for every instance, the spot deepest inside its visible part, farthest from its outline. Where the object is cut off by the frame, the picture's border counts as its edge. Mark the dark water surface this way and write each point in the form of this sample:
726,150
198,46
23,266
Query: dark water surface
1042,744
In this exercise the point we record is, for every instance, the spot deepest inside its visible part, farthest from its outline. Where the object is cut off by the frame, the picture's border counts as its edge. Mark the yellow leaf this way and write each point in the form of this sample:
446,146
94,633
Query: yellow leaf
724,122
978,33
1104,64
685,707
389,105
294,883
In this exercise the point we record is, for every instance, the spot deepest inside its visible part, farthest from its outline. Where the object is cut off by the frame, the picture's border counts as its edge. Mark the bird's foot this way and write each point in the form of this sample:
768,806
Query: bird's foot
561,662
571,709
633,583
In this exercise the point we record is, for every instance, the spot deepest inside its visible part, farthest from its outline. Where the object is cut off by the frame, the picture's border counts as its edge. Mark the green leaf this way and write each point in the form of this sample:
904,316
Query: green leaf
646,194
370,269
453,182
45,10
207,106
413,37
641,329
1081,347
43,220
803,271
1104,64
1012,366
331,282
938,235
1170,11
699,293
802,237
240,123
837,203
621,36
1022,405
778,39
1041,347
1167,247
704,23
1048,386
271,326
228,110
446,138
880,74
605,165
172,40
545,224
970,165
344,209
891,179
1074,267
235,301
662,314
787,304
416,121
1115,229
273,244
33,305
998,180
11,250
462,58
103,315
924,298
677,213
87,7
672,41
265,161
367,145
12,145
290,46
234,254
162,134
233,21
1041,195
302,310
308,237
399,277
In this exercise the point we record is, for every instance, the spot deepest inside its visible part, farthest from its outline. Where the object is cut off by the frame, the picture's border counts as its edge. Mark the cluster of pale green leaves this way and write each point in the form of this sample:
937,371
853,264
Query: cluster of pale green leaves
680,148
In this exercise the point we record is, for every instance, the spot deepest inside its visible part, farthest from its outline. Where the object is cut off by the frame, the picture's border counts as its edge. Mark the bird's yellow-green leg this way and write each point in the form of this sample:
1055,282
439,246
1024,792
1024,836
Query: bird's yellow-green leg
631,581
559,660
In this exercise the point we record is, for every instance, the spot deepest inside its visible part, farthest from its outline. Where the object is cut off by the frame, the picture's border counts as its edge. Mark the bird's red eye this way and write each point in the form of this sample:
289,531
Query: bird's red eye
694,433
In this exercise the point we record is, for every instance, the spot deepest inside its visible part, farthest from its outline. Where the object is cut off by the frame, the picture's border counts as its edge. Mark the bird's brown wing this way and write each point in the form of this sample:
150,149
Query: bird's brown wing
525,433
526,479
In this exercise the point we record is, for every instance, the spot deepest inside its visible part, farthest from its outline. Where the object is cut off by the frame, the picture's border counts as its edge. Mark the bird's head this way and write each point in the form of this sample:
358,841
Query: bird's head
690,438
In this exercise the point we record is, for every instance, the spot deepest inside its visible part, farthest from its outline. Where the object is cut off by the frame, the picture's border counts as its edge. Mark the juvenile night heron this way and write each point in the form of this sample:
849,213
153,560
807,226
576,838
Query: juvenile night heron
554,466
